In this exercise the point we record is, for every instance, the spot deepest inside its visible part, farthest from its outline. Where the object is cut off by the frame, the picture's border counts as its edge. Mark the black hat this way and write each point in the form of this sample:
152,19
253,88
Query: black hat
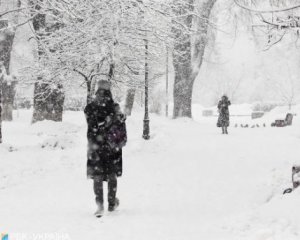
103,84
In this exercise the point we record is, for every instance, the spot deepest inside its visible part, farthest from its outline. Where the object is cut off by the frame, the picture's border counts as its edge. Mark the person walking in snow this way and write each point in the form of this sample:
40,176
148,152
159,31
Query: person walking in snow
223,120
106,136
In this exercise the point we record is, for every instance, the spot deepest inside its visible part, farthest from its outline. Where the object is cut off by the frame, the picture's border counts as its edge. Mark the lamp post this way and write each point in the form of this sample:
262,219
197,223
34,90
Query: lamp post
146,128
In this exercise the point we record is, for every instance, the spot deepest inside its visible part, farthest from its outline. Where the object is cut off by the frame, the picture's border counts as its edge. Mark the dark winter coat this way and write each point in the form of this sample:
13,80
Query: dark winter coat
223,120
117,138
102,158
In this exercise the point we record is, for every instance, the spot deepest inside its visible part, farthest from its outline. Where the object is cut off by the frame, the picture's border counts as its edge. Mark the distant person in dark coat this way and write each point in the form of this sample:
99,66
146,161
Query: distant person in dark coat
104,156
223,120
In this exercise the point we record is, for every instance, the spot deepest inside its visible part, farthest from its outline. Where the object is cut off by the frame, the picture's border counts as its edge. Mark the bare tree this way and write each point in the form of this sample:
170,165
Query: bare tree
130,95
104,39
74,37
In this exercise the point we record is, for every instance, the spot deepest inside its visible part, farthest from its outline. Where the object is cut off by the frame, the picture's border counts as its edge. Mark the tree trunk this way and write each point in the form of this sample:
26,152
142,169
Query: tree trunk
167,82
8,88
6,42
183,97
6,39
182,61
41,99
47,102
40,106
8,96
188,55
58,99
129,101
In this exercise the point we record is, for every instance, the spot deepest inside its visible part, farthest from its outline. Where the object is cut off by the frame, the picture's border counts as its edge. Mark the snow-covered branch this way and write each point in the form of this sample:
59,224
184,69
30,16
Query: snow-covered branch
237,2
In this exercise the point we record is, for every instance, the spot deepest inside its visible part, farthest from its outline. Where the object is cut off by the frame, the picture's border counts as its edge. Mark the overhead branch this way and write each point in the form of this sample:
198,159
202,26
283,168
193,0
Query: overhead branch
294,23
132,70
11,11
274,43
265,11
82,74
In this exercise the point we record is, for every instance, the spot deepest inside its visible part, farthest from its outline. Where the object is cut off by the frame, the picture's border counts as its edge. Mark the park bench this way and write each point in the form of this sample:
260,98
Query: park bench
283,123
295,179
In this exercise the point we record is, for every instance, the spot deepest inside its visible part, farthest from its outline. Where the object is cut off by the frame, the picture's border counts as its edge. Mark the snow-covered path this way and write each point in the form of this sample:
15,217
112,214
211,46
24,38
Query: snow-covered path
187,182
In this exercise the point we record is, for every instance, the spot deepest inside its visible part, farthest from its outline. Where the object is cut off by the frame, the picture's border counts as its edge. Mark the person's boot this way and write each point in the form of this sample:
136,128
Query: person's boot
113,206
223,131
100,210
226,132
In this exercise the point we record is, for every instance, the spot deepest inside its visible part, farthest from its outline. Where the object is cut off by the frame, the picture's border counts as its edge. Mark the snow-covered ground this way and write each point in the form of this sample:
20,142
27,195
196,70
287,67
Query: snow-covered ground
187,182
